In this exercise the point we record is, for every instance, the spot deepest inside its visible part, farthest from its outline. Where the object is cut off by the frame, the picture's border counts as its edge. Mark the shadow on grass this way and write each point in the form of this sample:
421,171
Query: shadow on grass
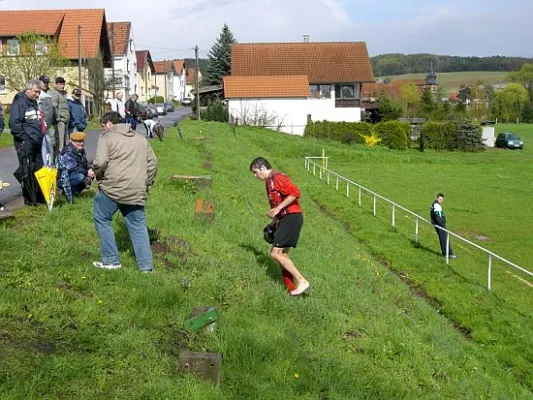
418,245
272,268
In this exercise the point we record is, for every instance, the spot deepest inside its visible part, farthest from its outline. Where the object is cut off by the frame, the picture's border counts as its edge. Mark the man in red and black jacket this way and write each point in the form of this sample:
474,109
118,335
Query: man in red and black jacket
287,221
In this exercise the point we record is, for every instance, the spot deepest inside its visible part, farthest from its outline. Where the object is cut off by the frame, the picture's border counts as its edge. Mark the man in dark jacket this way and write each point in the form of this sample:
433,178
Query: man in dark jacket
78,120
131,109
74,161
438,219
27,128
2,123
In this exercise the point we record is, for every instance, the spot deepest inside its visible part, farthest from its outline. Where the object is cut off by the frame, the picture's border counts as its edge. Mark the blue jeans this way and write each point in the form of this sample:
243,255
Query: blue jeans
77,182
104,209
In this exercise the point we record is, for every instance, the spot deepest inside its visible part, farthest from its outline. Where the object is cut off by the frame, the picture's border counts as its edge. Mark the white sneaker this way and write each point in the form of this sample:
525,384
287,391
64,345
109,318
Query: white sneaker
101,265
302,287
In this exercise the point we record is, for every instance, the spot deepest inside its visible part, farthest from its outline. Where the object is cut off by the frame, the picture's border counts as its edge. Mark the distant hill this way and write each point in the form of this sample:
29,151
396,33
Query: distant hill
400,64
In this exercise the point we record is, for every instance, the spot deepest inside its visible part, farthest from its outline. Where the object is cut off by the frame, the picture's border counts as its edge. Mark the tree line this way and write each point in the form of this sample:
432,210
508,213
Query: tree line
399,64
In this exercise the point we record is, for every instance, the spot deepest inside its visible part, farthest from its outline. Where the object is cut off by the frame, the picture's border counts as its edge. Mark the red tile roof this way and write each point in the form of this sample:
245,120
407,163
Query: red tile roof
392,90
242,87
143,57
179,65
330,62
163,66
63,23
122,34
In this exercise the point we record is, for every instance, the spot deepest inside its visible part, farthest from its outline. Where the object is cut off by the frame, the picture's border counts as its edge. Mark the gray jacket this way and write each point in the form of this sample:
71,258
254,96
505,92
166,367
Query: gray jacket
45,102
59,102
125,165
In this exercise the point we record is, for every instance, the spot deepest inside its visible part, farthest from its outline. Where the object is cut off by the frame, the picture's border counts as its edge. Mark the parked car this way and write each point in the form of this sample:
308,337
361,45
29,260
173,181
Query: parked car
169,107
187,101
161,109
509,140
153,111
144,111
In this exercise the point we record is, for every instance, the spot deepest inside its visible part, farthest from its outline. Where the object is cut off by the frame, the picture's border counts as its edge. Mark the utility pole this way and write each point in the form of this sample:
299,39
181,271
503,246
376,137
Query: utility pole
197,83
166,77
79,55
113,56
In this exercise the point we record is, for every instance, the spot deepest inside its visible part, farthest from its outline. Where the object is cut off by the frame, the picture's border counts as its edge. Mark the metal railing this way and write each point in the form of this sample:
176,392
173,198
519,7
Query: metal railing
324,172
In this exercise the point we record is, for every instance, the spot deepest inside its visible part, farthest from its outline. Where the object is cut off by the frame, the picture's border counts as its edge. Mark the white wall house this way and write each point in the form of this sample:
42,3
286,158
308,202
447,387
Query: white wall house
124,59
179,79
291,83
164,79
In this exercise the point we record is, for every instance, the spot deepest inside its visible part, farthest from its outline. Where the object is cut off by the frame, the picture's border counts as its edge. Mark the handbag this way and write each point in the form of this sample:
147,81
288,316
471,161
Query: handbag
268,233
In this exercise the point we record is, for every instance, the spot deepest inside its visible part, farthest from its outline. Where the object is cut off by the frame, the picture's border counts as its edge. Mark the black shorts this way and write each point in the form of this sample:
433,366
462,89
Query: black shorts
288,231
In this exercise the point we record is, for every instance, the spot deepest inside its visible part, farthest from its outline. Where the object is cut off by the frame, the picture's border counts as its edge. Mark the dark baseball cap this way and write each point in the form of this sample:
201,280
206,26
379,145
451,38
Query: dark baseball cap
76,92
60,79
44,79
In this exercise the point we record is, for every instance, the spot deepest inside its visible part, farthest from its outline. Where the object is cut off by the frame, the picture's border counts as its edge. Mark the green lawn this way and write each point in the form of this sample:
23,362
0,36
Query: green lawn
70,331
451,81
6,140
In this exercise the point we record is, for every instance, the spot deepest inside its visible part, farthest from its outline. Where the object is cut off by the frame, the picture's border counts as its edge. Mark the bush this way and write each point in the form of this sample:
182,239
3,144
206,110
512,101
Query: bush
440,136
394,134
469,137
216,111
345,132
156,100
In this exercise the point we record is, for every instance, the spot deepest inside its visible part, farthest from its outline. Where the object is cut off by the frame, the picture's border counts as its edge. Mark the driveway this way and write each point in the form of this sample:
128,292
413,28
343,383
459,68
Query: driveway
9,163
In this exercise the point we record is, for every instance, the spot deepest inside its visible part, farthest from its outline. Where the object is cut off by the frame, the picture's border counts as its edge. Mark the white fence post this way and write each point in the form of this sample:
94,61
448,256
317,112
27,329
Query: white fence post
490,271
374,205
328,178
359,195
320,173
393,215
314,165
347,189
416,230
337,183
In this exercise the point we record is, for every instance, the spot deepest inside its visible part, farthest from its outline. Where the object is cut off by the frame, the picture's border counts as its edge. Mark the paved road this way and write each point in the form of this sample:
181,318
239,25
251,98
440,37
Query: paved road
9,163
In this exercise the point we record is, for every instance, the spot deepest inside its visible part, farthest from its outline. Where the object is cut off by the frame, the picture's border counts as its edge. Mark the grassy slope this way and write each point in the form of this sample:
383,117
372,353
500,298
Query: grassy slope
71,331
6,140
453,80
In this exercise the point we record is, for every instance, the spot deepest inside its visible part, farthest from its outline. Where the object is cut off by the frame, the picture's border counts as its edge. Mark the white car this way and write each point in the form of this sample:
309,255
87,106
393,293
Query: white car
186,101
161,109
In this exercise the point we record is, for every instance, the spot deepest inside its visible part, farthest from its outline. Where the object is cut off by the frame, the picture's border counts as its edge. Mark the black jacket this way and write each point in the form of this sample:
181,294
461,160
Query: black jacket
25,120
436,213
131,108
2,123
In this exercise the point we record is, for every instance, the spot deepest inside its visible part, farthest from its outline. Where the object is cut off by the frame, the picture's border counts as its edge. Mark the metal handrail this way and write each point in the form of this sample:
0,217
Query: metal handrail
322,170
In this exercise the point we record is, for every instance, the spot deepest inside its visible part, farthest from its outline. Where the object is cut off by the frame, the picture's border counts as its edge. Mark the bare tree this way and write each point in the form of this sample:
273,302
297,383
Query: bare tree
30,56
253,114
98,84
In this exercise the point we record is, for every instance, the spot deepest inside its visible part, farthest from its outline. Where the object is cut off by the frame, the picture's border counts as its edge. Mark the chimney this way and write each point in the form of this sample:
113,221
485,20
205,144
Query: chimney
306,38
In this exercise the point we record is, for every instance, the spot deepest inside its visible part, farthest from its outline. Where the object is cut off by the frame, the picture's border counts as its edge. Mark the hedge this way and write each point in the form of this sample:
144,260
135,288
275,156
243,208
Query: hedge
346,132
440,135
394,134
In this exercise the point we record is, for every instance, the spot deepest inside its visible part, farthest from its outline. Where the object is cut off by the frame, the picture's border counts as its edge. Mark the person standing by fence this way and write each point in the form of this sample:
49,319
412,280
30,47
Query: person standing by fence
438,219
287,220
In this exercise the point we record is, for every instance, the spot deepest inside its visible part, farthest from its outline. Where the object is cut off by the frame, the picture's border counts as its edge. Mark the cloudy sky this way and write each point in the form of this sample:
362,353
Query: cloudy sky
170,28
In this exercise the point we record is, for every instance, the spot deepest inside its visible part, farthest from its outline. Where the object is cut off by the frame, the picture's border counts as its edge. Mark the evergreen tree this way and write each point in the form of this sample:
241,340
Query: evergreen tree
427,103
220,57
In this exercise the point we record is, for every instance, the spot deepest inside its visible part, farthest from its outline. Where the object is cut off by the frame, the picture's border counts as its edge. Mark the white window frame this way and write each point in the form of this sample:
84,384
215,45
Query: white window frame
10,45
41,48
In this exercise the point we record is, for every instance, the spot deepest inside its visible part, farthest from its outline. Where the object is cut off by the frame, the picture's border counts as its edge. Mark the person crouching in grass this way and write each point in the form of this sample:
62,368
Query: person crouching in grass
287,220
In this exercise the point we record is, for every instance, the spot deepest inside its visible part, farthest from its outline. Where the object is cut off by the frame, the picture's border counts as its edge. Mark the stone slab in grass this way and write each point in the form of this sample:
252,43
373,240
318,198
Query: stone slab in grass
205,365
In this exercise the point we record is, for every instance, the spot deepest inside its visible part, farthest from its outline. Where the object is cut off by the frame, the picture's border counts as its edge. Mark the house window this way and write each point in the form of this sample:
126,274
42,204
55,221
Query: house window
347,91
40,47
320,91
12,47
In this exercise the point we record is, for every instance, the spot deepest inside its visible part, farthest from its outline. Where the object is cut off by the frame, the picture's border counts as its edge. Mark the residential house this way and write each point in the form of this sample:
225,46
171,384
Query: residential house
190,81
389,88
164,79
179,79
124,60
145,75
308,81
61,26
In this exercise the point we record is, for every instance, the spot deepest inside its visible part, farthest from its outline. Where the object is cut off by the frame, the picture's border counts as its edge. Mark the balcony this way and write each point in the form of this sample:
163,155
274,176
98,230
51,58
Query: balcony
347,103
366,103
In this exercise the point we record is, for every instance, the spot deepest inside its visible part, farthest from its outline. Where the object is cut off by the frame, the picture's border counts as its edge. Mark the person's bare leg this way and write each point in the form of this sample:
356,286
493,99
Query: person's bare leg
280,256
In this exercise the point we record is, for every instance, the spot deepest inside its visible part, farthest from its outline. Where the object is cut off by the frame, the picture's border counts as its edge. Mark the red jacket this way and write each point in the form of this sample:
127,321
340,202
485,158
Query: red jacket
279,187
